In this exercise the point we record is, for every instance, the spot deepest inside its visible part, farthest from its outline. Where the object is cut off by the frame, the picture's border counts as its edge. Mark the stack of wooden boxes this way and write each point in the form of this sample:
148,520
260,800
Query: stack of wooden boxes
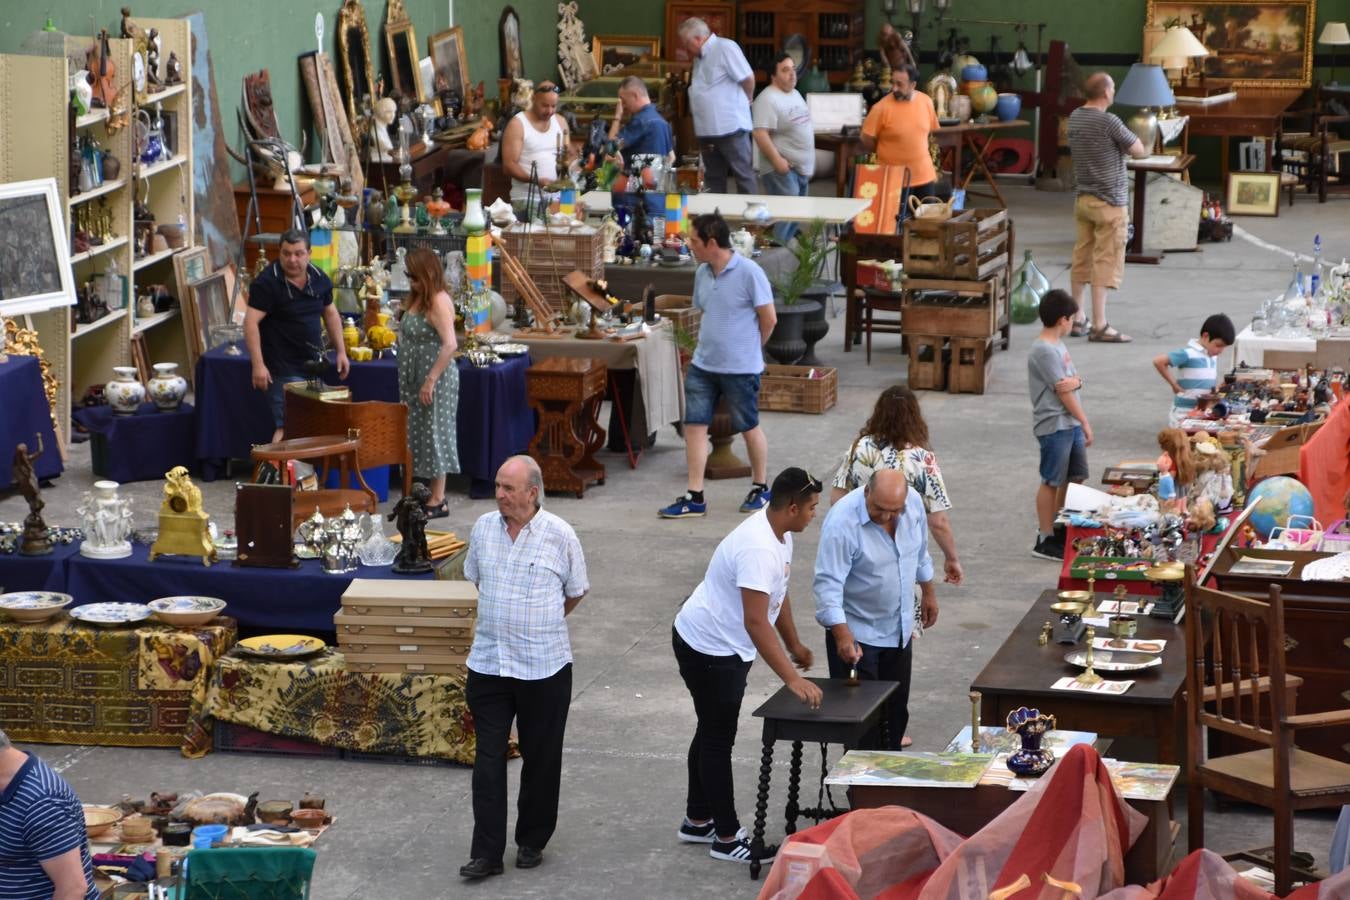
421,627
955,298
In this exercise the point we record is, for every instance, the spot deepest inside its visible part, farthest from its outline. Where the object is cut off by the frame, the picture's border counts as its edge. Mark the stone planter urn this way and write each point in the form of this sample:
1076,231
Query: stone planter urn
786,344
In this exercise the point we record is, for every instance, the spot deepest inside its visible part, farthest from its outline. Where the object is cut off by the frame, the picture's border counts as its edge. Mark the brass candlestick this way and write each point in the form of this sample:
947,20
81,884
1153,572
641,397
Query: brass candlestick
1044,638
974,721
1089,677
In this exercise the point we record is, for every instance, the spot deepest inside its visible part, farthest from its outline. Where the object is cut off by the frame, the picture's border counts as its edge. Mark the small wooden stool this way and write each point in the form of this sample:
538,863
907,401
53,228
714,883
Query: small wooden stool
566,394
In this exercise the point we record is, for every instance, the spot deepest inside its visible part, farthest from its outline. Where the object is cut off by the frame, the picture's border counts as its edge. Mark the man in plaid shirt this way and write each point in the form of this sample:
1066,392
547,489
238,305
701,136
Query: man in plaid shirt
530,573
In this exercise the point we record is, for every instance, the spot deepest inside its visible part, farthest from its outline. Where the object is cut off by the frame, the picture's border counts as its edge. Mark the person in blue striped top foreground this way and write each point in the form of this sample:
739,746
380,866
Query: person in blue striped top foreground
44,850
1196,364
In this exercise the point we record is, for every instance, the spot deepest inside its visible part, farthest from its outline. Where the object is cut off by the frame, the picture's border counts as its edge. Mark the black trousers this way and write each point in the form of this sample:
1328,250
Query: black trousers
717,686
880,664
539,709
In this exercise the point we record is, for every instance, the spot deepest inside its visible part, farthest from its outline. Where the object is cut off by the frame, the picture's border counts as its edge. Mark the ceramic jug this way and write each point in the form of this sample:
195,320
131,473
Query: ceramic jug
756,211
167,388
743,242
125,393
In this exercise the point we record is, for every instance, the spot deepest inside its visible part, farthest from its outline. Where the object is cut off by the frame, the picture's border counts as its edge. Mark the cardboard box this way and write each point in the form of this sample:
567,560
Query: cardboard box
1282,451
421,664
419,628
387,597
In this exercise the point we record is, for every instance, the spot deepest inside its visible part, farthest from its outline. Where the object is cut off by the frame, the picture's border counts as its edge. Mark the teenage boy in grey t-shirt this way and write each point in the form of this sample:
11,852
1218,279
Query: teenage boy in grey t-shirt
1059,423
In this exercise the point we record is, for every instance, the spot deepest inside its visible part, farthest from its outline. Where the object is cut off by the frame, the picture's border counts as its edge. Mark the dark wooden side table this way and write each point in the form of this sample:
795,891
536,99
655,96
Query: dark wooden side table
274,211
846,714
566,394
1175,165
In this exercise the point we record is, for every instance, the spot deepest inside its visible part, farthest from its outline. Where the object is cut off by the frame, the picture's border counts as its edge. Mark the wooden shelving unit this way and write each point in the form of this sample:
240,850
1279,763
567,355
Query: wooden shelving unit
832,31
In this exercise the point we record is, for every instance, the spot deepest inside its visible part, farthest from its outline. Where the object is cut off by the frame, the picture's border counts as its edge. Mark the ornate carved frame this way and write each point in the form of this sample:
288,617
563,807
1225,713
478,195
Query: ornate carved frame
352,18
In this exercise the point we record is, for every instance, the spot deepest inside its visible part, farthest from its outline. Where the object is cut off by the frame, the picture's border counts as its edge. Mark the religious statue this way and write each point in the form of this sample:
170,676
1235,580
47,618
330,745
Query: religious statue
410,517
35,540
107,522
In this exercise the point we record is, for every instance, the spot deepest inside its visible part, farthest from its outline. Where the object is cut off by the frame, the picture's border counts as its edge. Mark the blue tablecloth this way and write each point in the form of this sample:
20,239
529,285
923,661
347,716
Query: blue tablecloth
140,447
36,573
24,413
494,422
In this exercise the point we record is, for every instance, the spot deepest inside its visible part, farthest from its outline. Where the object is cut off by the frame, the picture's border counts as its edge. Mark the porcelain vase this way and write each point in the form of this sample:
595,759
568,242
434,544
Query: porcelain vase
475,222
125,392
106,519
167,388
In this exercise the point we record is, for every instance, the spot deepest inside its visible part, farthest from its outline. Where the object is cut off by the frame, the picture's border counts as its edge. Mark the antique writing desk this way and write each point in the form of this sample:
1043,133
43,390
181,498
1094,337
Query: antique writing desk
1255,112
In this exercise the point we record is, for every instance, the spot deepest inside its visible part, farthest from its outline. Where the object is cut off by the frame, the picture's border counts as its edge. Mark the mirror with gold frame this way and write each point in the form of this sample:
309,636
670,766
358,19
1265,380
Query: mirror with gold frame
448,62
401,42
353,40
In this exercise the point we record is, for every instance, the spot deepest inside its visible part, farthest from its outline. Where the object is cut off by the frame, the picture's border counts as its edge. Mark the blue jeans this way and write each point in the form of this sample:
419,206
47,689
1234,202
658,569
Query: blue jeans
276,397
702,390
790,184
1063,456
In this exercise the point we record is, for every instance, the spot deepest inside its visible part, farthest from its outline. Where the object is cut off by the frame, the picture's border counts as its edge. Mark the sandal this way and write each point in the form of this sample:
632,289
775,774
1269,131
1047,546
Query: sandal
439,511
1080,328
1108,335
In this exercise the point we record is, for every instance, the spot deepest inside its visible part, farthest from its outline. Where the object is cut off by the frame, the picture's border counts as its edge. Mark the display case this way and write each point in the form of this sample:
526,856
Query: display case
827,32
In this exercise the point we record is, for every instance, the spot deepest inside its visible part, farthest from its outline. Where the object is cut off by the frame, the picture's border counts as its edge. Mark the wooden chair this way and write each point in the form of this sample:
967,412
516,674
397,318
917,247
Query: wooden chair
863,304
383,427
1309,148
1236,683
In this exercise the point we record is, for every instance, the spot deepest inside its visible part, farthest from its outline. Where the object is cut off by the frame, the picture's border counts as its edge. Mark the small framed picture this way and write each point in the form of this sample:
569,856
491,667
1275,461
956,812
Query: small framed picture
615,51
1254,193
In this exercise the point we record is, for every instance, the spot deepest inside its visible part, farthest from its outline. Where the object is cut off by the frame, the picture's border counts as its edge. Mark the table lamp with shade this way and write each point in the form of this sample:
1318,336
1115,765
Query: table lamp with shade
1177,48
1146,87
1334,34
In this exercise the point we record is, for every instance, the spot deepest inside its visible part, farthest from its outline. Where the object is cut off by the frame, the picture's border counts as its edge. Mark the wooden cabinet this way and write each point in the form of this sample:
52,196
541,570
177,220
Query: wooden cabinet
826,31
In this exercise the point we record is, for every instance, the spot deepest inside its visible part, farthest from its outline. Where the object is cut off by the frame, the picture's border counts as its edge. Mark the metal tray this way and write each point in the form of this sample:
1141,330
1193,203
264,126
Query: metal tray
1113,660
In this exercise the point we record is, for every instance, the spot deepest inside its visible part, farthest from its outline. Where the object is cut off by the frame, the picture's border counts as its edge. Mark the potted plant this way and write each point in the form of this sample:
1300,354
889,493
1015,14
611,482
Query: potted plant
788,343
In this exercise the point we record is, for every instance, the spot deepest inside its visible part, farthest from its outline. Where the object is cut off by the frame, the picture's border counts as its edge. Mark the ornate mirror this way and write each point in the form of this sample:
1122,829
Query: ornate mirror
353,40
401,42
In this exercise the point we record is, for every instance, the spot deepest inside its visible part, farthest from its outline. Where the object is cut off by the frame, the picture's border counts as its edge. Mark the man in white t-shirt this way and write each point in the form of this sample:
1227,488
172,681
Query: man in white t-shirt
783,136
730,616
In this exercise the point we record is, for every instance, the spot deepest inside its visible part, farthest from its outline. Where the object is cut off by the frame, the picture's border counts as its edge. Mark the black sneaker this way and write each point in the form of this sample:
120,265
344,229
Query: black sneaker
1048,548
738,850
697,834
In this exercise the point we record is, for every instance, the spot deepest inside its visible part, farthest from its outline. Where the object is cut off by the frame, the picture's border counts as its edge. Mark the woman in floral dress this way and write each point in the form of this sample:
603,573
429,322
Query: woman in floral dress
428,381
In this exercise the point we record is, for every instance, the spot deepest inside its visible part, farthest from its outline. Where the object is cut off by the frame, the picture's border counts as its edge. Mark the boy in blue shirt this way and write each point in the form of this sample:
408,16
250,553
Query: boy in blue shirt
1197,368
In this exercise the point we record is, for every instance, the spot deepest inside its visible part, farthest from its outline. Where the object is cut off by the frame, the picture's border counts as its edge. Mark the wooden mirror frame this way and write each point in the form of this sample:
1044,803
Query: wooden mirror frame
509,13
455,34
398,32
352,18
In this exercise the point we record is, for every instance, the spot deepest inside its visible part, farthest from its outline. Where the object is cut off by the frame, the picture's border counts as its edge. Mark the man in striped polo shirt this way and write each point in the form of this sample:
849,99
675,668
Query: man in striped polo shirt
1196,365
44,851
1099,142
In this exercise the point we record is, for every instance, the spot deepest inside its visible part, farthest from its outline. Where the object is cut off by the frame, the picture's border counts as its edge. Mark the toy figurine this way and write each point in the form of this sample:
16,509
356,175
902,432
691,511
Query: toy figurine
410,517
35,540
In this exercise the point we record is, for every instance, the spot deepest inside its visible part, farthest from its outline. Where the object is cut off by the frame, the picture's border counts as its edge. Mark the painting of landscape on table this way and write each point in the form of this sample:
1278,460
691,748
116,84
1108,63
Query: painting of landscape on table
884,767
1255,43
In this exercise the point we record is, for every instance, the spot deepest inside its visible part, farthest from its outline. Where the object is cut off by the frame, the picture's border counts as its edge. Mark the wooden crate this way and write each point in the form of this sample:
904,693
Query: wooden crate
955,307
971,360
790,389
680,309
549,255
928,355
972,245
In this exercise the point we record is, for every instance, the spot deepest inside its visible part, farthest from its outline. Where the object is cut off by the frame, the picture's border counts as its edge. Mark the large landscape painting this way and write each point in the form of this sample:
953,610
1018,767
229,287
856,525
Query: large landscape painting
1253,42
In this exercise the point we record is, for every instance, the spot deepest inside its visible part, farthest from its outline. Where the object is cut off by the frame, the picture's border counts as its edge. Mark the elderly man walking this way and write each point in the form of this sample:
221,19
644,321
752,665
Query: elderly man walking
873,549
720,89
1099,142
530,573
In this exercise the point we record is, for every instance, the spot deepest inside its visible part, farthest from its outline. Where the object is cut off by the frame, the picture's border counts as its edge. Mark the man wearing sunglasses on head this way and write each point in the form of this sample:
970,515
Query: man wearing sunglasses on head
532,139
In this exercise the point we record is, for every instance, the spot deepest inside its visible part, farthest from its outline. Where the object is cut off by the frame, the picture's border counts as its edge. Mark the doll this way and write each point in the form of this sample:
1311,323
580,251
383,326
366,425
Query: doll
1176,469
1213,473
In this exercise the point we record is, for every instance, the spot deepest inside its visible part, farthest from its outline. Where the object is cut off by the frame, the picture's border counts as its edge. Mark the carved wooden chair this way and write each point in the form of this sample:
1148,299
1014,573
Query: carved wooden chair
1236,683
383,427
1312,150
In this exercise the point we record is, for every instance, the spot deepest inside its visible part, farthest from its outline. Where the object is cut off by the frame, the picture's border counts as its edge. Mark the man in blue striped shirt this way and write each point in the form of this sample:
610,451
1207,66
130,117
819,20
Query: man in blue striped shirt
1196,365
44,851
873,550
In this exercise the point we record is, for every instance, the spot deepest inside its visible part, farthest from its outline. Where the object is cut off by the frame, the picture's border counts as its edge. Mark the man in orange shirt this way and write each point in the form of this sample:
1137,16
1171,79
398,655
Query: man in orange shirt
897,130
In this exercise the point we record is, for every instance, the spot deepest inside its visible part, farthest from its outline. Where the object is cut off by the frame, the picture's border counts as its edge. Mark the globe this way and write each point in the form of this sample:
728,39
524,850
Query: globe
1274,500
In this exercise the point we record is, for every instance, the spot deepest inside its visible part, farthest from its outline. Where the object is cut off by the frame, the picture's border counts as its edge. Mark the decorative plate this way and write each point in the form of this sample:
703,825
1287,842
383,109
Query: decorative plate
110,615
510,349
494,337
187,610
33,606
1113,660
280,646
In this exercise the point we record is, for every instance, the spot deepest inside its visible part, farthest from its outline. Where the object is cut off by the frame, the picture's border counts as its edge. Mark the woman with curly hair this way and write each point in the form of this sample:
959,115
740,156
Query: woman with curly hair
896,437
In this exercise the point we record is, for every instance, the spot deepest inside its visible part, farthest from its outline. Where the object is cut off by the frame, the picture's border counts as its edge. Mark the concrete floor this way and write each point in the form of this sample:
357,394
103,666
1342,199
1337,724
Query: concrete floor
404,830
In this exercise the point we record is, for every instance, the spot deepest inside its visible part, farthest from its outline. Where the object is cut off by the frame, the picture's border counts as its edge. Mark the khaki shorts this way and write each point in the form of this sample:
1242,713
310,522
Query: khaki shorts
1099,251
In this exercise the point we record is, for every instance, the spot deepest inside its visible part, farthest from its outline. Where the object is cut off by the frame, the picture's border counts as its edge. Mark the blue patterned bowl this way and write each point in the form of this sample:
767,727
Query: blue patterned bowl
33,606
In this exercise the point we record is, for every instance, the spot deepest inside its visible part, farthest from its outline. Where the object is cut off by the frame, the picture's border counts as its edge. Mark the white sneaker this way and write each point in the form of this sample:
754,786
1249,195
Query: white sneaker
738,850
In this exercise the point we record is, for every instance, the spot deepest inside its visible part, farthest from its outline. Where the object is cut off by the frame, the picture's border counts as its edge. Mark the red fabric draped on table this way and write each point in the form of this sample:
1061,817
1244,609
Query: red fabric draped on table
1324,466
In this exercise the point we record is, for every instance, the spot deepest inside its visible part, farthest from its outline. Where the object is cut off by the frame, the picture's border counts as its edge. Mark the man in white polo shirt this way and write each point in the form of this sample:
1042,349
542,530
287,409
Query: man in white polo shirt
720,89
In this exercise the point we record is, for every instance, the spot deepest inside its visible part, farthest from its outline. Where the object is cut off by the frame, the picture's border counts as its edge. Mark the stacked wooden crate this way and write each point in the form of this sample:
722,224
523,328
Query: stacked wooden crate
407,627
955,298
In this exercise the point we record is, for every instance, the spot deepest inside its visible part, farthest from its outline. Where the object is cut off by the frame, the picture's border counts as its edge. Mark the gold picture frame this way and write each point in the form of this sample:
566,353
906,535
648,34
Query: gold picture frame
448,62
400,39
616,51
353,41
1252,43
1253,193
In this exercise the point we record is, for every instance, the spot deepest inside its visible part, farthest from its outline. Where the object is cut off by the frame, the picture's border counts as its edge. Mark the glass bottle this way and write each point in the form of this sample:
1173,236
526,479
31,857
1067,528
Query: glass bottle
1318,271
1294,292
114,286
1035,277
1026,302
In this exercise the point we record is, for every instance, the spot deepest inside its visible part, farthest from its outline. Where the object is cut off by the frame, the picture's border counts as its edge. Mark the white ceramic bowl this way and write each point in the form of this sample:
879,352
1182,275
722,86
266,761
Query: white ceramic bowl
186,610
33,606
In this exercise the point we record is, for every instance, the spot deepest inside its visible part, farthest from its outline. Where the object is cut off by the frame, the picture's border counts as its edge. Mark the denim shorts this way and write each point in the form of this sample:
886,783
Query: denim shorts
276,397
702,390
1063,456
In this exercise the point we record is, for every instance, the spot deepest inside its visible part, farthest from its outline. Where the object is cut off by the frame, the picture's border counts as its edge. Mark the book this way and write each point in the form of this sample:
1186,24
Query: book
1250,565
894,768
1142,781
324,392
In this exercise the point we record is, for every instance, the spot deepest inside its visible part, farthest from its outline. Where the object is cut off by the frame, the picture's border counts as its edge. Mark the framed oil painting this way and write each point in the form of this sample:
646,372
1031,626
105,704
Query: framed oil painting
508,31
1254,193
448,62
1254,43
35,273
615,51
211,302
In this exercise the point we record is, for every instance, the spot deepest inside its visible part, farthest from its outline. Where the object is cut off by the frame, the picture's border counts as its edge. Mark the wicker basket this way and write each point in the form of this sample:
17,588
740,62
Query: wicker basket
790,389
549,255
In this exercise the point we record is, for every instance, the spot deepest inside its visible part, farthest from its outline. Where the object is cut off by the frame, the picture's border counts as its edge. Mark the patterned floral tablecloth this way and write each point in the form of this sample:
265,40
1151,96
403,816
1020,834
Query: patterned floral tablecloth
62,682
319,700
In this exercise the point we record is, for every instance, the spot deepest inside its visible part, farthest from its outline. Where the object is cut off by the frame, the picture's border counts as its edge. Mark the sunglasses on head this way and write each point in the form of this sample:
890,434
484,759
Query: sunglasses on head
548,89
